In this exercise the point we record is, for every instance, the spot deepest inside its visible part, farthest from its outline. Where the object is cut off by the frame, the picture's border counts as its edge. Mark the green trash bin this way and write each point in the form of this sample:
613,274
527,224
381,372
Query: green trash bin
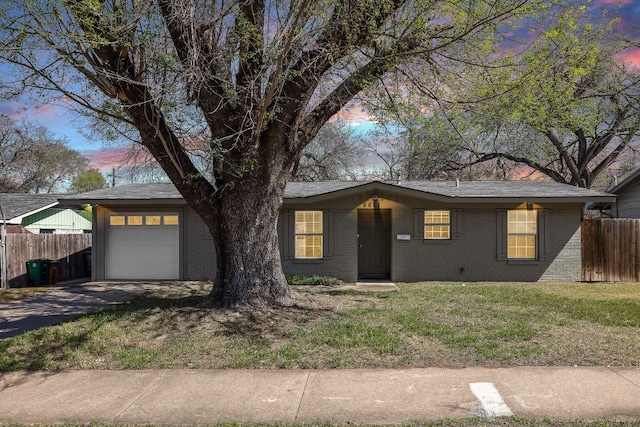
38,272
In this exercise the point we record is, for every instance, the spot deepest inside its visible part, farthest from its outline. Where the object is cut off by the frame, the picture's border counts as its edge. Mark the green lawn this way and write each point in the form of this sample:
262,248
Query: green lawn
421,325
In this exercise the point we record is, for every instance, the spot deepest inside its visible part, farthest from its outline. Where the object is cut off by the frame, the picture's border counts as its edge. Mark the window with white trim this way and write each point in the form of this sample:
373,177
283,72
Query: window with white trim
437,225
522,234
308,234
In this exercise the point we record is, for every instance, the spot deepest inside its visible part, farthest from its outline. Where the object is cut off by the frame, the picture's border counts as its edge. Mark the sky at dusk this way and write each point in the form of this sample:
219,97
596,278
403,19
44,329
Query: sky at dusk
63,124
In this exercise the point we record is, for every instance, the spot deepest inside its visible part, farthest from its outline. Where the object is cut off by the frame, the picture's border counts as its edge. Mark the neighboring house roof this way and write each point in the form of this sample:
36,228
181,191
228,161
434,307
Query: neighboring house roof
16,206
629,181
626,184
304,192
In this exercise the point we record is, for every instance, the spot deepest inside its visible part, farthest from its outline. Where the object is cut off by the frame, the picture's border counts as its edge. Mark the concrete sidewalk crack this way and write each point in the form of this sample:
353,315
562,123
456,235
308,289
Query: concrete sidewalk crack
144,393
624,378
304,390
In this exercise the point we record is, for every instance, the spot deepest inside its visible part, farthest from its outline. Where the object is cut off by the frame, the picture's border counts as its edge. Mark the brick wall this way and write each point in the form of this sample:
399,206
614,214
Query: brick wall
198,248
471,257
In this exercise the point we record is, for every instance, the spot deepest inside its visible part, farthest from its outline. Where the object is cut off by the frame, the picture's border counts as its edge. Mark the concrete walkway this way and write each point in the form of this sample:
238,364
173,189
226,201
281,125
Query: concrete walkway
190,397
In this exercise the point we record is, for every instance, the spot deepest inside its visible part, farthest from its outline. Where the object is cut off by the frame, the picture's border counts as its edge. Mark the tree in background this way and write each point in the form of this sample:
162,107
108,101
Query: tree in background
565,108
575,105
33,160
417,146
89,180
335,153
258,78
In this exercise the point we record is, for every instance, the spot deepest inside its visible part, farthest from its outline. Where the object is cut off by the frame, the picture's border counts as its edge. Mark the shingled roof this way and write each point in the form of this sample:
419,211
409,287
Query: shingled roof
17,205
462,191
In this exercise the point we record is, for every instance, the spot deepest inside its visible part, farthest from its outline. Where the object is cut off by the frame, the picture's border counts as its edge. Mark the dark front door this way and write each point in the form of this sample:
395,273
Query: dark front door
374,243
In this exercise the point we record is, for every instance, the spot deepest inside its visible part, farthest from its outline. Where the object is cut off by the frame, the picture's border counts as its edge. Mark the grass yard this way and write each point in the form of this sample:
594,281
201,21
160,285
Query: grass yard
421,325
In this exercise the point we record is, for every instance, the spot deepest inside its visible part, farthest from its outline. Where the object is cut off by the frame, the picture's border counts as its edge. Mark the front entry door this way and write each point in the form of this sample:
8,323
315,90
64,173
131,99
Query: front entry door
374,243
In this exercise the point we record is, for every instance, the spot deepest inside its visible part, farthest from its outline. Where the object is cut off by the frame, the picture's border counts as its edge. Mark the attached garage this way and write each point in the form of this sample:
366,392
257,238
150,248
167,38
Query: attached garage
147,232
143,245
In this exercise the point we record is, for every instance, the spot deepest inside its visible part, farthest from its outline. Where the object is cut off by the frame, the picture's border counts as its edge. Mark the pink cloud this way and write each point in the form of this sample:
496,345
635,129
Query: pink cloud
13,109
105,160
630,57
352,113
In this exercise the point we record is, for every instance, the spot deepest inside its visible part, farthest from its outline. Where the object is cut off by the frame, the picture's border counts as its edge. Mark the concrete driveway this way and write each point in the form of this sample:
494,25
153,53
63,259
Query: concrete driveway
49,308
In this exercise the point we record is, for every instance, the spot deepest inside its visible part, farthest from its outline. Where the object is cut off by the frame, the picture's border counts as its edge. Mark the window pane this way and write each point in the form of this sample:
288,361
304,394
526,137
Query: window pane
437,224
436,217
152,220
134,220
522,221
308,222
309,246
171,220
116,220
436,231
521,247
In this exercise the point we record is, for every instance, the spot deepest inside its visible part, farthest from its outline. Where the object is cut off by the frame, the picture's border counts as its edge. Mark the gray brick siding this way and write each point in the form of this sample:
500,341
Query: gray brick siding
470,257
199,249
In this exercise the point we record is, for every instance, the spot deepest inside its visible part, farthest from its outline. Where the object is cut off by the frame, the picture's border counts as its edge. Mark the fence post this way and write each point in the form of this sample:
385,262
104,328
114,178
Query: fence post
3,251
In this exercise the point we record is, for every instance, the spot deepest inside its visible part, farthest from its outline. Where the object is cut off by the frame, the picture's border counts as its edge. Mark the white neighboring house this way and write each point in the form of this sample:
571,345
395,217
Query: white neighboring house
42,214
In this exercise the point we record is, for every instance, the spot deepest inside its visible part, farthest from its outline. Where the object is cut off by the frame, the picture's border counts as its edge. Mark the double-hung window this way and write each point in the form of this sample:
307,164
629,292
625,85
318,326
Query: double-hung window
437,225
308,234
522,234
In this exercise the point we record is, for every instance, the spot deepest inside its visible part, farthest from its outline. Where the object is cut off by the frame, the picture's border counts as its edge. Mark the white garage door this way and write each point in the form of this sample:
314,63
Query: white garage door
143,246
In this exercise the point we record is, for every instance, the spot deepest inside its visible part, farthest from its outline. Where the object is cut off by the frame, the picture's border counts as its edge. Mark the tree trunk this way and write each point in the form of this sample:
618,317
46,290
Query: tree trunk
249,269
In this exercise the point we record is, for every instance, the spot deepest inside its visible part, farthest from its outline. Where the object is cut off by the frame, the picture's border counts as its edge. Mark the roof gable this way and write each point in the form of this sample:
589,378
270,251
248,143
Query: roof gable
60,219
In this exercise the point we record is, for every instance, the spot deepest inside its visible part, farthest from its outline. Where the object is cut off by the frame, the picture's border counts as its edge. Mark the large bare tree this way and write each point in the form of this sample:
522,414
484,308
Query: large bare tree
33,160
335,153
258,77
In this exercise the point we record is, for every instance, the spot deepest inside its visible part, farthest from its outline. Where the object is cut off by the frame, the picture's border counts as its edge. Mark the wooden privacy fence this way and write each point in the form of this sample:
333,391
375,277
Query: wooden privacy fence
70,250
611,250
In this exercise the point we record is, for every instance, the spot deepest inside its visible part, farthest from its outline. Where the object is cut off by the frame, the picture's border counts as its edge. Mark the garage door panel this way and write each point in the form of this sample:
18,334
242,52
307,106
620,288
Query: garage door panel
143,252
144,236
143,270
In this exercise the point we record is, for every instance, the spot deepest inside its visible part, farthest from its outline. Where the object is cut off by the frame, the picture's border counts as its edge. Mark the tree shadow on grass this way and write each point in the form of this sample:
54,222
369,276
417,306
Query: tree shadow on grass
49,347
42,348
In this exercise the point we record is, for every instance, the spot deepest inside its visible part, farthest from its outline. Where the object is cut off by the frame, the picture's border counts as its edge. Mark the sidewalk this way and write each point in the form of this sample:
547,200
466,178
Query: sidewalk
384,396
